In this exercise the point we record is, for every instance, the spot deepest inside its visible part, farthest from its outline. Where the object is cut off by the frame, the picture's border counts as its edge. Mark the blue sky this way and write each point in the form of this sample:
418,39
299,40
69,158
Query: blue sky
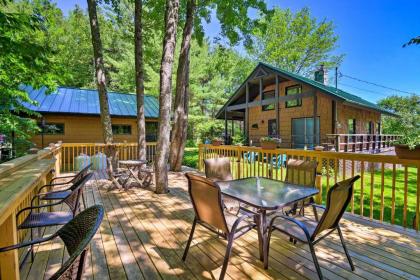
371,36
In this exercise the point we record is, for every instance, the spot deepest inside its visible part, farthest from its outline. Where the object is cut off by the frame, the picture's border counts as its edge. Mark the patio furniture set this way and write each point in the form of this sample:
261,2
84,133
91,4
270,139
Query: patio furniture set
231,208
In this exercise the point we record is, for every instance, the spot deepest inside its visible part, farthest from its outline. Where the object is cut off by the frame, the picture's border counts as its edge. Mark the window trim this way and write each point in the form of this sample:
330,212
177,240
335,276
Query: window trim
299,100
43,132
118,124
262,98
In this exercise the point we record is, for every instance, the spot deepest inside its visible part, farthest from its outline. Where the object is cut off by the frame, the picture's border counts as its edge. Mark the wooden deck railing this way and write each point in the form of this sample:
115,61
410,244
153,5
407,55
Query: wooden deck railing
126,151
20,180
360,142
388,191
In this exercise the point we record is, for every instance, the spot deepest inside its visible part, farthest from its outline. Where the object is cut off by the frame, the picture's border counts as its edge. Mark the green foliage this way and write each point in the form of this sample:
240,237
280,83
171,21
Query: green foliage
296,42
239,139
413,41
190,157
26,58
408,122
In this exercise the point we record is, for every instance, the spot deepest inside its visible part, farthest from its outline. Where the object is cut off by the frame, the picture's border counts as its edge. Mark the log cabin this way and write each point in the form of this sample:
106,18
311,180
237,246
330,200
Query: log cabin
277,103
72,116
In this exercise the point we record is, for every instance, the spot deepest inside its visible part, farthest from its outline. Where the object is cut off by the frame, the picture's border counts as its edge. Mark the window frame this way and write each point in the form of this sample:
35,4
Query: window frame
299,101
43,131
264,107
353,125
121,125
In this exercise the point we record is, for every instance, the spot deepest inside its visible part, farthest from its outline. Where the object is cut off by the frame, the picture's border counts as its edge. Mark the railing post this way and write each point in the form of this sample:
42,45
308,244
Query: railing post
238,162
337,143
9,263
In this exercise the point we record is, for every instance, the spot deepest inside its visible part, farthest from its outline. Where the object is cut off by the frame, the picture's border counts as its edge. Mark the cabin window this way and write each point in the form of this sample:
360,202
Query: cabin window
268,95
51,128
351,126
378,128
151,131
292,91
369,128
121,129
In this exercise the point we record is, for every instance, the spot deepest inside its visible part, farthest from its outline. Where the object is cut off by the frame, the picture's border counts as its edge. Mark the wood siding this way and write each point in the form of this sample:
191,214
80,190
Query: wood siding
324,112
85,129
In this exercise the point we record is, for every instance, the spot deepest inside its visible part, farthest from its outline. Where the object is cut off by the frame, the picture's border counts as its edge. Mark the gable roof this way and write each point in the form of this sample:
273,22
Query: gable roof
332,91
67,100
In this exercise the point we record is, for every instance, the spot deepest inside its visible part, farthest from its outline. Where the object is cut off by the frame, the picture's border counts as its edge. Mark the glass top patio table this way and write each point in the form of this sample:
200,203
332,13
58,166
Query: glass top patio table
265,193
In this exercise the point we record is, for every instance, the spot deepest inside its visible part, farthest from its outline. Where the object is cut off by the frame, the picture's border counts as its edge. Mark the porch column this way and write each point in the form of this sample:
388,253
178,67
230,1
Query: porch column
247,111
232,128
226,128
276,93
315,117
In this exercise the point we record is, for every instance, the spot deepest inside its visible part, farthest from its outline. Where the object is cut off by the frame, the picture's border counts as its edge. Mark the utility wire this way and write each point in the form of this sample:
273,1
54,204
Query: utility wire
375,84
366,90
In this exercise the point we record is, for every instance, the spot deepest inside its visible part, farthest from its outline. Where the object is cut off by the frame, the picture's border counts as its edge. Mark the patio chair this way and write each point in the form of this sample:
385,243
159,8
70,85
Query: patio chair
218,169
206,199
59,191
303,173
76,236
307,230
37,218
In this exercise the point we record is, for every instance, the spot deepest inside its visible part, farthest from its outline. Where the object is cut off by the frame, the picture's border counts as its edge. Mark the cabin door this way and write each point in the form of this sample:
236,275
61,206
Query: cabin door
303,133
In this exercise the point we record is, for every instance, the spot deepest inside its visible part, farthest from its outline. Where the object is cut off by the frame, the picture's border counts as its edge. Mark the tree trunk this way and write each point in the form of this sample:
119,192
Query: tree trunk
179,130
100,72
138,54
162,149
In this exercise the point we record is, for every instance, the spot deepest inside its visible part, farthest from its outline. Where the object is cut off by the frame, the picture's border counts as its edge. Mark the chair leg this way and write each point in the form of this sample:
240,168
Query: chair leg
318,268
32,246
189,240
345,248
227,256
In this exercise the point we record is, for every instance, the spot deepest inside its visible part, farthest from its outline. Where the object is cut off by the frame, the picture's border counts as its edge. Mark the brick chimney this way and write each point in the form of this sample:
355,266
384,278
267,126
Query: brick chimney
321,75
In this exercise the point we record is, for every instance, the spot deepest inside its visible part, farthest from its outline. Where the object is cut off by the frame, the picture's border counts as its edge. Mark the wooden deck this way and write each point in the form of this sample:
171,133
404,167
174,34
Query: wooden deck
143,237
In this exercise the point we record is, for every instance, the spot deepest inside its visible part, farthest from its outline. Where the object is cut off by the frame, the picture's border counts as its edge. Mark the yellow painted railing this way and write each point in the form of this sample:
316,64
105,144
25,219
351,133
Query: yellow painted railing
20,180
388,191
126,151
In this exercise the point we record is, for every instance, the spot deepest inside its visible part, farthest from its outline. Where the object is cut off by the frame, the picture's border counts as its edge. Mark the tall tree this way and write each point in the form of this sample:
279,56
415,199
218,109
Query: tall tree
100,72
138,38
179,131
162,149
296,42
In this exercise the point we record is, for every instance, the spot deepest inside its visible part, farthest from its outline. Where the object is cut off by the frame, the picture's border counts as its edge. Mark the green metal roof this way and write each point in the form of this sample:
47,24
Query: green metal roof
351,98
86,101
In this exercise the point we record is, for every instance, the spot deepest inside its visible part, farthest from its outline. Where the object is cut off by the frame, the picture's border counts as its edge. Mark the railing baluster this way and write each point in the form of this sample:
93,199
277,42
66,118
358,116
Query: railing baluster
405,196
362,180
393,195
381,218
352,195
372,184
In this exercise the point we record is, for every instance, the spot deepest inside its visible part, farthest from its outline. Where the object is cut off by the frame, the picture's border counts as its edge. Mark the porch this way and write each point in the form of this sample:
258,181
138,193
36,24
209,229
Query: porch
143,236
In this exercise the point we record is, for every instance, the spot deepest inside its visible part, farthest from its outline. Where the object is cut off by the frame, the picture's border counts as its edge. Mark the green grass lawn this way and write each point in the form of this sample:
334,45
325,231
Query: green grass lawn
191,160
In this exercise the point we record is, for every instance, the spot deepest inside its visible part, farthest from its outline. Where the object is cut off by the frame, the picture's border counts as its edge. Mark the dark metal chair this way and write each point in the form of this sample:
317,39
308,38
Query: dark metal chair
307,230
206,199
303,173
64,189
37,219
76,235
218,169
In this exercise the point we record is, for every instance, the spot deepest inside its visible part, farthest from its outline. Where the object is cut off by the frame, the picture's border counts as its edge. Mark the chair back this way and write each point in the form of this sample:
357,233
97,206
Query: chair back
206,198
218,169
76,236
301,172
80,175
73,199
338,198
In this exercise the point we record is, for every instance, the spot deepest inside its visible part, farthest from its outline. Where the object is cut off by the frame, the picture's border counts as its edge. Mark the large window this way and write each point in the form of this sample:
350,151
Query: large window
293,90
51,128
369,128
151,131
351,123
121,129
268,95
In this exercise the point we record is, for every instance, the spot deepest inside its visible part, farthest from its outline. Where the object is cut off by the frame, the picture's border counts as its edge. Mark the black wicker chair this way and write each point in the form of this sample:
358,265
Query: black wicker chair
38,219
76,235
61,190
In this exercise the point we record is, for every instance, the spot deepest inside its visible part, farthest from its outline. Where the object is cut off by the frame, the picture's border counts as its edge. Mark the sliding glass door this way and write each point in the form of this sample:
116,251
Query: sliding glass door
303,133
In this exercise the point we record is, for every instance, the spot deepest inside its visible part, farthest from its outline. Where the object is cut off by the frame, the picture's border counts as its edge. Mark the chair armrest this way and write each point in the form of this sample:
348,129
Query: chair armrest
32,207
318,206
298,223
62,177
27,243
52,185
